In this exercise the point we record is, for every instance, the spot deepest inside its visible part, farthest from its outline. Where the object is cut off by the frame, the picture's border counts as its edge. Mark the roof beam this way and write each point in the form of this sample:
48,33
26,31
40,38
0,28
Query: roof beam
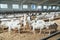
43,2
34,2
9,2
56,3
23,1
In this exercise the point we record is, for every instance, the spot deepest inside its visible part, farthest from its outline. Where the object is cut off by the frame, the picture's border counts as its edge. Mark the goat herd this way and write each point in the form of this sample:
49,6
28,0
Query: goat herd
34,24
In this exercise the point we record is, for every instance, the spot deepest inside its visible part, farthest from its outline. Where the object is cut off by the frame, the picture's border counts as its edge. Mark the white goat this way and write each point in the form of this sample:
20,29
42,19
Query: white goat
16,24
38,25
12,25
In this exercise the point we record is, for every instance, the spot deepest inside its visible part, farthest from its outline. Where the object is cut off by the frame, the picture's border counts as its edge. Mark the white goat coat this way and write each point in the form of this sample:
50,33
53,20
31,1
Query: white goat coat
28,18
15,24
25,19
38,25
12,24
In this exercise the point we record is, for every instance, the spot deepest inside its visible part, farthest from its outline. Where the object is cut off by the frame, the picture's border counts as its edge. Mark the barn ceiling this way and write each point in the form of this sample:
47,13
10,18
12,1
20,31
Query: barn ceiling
38,2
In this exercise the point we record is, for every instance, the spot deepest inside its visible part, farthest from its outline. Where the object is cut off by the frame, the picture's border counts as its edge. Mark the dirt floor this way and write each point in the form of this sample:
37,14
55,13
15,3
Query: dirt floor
25,35
22,36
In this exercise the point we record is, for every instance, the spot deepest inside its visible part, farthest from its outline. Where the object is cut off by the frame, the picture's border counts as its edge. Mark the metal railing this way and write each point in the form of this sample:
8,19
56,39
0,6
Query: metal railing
52,35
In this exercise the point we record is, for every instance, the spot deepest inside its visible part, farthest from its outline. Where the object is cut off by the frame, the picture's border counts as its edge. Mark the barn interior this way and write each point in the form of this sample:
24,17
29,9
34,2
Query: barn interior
29,19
